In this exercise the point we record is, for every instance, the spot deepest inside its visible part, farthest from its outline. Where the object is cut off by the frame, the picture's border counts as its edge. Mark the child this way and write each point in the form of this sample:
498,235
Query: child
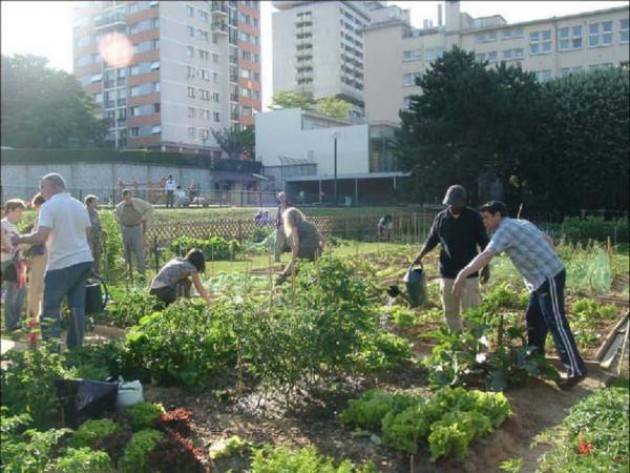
172,279
12,266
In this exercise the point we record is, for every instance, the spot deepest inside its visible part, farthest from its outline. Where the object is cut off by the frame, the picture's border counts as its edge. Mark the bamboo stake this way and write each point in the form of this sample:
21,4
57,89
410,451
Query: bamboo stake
520,209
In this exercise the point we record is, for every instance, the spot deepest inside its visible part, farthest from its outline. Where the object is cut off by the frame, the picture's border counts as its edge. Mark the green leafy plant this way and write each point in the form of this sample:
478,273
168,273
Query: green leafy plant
144,414
30,451
136,454
368,411
92,430
214,248
593,437
228,447
82,460
305,460
128,307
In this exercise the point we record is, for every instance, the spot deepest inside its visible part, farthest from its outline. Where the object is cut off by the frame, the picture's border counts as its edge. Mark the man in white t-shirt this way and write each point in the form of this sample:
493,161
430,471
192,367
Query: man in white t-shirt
170,187
64,225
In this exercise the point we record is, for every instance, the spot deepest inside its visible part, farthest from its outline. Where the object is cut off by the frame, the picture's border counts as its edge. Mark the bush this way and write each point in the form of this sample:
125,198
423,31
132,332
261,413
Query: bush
91,431
582,230
144,414
137,451
214,248
128,307
368,411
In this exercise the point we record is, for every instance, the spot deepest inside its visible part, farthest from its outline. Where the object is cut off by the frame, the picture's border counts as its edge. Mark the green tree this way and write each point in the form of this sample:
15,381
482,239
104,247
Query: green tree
468,121
236,141
584,159
331,106
43,107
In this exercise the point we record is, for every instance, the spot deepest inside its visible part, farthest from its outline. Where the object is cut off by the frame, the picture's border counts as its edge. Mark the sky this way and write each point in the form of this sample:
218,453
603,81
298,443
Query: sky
45,28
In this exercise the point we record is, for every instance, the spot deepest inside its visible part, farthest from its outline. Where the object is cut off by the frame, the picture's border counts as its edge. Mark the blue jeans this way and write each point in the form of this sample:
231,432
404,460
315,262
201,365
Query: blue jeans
13,303
545,312
59,283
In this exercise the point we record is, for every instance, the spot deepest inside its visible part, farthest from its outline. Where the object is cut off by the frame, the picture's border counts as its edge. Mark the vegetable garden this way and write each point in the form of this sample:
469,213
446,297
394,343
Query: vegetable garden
327,373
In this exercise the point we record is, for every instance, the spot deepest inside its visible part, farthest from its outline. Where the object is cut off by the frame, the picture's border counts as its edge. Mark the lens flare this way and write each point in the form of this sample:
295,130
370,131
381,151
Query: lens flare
116,50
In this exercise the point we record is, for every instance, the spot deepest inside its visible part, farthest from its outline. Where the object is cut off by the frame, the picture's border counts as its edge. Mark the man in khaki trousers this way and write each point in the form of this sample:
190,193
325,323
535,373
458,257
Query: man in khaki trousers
460,232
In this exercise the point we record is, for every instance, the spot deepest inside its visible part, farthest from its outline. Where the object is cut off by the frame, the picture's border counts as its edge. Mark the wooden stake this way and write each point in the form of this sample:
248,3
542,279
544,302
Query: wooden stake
520,209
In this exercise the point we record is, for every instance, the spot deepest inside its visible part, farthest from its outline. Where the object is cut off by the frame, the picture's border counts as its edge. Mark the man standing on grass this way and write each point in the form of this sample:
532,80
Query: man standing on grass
64,225
533,255
133,215
460,232
169,187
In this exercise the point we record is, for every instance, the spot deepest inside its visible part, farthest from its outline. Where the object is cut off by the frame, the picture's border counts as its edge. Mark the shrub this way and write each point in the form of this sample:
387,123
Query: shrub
114,443
136,453
368,411
91,431
144,414
128,307
581,230
214,248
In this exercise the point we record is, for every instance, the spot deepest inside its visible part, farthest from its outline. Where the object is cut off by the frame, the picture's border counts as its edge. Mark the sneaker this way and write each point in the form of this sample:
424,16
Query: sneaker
567,384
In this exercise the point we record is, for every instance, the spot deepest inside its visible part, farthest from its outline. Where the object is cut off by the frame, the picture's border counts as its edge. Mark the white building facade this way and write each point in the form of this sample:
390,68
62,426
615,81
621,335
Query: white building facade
318,47
396,54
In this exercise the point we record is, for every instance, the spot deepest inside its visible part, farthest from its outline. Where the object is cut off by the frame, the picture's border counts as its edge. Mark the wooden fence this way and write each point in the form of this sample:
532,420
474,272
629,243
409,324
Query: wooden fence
410,228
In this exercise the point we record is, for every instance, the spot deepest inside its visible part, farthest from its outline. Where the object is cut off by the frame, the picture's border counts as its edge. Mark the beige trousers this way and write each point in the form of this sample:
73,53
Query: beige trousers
453,305
35,291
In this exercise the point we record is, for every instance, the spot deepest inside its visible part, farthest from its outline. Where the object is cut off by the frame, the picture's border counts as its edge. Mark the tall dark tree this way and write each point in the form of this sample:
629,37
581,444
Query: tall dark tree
469,120
43,107
236,141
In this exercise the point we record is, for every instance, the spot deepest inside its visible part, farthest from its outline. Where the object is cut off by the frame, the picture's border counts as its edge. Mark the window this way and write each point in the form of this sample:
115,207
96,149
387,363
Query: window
412,55
96,78
487,37
567,71
513,33
191,92
215,97
201,34
135,131
410,78
98,98
543,76
510,54
204,55
190,11
203,16
624,29
407,102
203,133
432,54
190,72
600,34
490,56
156,108
205,74
156,129
215,77
155,66
216,117
191,112
191,132
570,38
205,114
215,58
190,51
540,42
191,31
204,94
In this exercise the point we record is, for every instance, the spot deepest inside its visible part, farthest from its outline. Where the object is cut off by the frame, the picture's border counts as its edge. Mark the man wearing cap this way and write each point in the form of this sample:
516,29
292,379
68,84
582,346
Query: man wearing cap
133,215
532,253
461,234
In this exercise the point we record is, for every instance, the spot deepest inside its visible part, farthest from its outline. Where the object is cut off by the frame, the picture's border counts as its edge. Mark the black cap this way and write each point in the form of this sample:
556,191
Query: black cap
455,196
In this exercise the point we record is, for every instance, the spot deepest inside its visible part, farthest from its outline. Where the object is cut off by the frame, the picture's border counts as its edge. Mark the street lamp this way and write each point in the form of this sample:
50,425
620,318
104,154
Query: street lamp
334,135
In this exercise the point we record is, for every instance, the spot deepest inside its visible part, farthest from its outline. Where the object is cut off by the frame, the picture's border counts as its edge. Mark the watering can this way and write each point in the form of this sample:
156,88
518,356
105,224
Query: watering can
416,283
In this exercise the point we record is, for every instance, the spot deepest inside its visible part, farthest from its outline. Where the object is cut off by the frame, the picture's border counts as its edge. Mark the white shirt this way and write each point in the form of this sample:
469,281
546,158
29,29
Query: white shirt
8,229
68,221
170,185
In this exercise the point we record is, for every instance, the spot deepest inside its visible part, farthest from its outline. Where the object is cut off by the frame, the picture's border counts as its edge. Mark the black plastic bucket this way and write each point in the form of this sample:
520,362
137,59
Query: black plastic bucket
96,296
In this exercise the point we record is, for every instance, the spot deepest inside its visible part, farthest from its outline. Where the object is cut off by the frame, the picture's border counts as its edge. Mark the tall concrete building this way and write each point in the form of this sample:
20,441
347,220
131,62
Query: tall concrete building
318,47
396,53
167,73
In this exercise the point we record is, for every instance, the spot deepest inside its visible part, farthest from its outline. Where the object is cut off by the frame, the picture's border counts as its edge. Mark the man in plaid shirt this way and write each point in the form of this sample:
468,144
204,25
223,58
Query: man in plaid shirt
532,253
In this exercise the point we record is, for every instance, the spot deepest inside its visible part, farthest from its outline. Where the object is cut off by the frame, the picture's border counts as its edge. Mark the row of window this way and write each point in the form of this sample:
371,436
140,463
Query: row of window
197,33
201,14
547,75
249,56
146,130
351,40
430,54
352,82
244,37
204,74
203,94
203,54
202,133
250,93
202,113
247,19
569,37
359,24
142,110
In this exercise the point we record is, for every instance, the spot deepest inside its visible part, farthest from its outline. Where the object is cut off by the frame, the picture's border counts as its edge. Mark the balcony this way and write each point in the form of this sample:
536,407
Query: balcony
111,21
220,28
218,9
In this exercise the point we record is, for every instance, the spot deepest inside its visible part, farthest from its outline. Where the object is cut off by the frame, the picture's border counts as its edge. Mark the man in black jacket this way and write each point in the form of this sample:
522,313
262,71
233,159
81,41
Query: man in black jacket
460,231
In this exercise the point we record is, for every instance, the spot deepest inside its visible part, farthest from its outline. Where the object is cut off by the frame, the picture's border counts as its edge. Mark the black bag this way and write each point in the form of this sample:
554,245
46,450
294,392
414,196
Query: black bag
95,298
82,399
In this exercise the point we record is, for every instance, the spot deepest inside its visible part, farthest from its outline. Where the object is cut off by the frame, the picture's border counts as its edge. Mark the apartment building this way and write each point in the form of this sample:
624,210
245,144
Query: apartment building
167,73
396,53
318,47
